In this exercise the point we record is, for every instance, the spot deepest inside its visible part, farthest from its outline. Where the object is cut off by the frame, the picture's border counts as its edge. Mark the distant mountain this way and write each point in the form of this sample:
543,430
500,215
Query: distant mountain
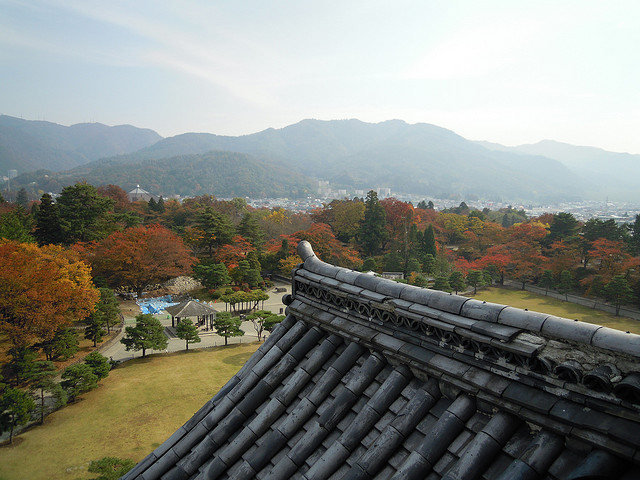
223,174
27,145
613,175
422,159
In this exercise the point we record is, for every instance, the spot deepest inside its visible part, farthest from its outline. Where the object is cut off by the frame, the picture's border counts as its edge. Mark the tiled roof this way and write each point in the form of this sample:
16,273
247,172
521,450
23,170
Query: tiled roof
367,378
190,308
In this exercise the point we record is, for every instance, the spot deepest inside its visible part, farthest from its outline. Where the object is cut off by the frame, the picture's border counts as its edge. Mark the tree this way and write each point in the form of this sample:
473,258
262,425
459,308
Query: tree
83,213
16,225
564,225
428,266
244,273
227,326
139,256
619,292
93,328
15,409
215,229
546,281
442,283
372,233
263,320
111,468
108,308
211,274
429,241
147,333
565,285
42,378
456,281
21,198
22,363
41,290
62,346
369,265
78,379
187,331
475,279
106,314
634,240
48,228
99,364
250,229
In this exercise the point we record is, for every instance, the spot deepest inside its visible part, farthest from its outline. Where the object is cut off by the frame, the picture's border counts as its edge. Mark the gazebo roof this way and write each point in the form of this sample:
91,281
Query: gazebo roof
190,308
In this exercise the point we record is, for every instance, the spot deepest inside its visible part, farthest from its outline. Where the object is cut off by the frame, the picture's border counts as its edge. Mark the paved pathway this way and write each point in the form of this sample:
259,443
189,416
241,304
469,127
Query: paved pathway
116,351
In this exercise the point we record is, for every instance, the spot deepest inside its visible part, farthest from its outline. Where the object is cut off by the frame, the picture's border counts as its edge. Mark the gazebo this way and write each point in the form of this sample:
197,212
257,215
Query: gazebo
191,308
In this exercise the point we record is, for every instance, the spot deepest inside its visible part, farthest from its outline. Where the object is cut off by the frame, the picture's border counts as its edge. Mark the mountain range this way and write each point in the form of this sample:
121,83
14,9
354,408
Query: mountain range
422,159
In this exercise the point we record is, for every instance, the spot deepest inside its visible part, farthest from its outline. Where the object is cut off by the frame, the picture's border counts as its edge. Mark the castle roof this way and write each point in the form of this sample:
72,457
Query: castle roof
368,378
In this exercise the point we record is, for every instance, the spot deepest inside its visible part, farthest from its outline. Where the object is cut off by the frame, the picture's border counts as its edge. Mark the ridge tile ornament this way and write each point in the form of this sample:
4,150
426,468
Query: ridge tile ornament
367,378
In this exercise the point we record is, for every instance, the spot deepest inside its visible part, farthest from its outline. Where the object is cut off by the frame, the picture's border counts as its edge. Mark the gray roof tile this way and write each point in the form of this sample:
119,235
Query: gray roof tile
358,382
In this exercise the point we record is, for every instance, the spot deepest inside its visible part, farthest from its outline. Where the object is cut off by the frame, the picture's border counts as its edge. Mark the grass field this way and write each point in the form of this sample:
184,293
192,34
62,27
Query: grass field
541,303
134,410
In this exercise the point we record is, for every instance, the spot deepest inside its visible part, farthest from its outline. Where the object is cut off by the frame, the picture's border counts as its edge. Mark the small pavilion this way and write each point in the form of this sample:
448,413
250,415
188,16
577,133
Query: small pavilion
205,314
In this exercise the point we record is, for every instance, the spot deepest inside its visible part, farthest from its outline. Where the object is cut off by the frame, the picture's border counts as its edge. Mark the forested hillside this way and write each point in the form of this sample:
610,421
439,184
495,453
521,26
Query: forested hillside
27,145
419,159
224,174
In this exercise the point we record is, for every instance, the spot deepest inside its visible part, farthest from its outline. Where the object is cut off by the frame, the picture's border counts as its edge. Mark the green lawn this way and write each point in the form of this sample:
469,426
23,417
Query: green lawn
541,303
134,410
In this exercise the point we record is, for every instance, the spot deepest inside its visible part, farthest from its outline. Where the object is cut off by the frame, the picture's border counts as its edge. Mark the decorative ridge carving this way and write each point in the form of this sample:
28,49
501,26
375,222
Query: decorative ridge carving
532,342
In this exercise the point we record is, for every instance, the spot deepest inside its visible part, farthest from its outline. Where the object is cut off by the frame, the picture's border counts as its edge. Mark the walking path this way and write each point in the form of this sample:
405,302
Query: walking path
115,349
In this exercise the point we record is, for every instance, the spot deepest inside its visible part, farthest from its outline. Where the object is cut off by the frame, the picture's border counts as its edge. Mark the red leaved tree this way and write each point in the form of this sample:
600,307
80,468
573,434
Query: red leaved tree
139,256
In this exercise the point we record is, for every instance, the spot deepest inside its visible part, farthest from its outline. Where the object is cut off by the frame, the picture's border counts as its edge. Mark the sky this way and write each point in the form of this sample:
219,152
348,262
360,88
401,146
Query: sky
510,72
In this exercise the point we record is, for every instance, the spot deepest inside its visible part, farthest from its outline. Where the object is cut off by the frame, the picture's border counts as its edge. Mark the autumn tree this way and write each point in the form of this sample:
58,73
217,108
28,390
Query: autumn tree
609,257
139,256
148,333
344,216
187,331
41,290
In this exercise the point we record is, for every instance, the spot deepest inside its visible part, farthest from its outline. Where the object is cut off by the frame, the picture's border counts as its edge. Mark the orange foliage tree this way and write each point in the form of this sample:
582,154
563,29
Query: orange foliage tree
232,254
41,290
325,245
139,256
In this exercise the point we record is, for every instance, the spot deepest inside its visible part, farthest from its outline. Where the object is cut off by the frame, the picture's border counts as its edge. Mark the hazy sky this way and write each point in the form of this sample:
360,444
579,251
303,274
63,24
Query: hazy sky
507,71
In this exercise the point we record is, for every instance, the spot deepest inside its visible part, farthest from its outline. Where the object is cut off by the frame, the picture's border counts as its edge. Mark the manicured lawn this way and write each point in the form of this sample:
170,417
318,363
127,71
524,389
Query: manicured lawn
134,410
541,303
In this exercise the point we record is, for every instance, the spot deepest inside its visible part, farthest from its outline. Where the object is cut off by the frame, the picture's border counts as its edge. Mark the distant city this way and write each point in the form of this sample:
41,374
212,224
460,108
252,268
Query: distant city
621,212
